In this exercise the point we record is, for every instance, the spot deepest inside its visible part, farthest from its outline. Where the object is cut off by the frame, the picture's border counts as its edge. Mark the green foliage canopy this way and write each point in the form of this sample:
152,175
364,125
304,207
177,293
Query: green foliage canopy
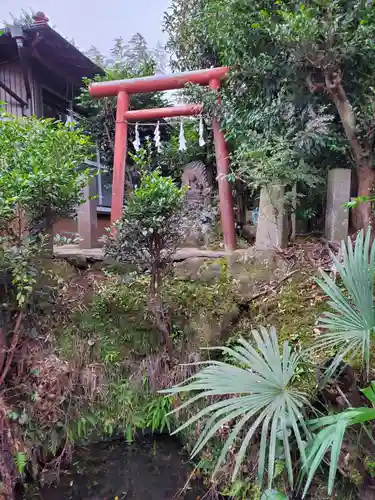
286,58
150,227
42,175
42,169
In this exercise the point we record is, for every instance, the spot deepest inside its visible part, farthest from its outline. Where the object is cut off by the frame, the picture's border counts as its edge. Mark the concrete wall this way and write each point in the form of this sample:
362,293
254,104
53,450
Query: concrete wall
67,226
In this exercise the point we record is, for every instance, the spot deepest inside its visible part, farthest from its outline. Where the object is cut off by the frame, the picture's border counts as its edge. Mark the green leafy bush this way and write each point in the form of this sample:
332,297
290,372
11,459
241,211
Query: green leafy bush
330,436
41,171
150,227
147,236
41,180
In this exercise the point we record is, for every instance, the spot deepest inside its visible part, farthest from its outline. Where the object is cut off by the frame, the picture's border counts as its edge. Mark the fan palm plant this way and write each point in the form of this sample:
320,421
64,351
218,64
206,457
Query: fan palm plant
349,325
256,396
331,432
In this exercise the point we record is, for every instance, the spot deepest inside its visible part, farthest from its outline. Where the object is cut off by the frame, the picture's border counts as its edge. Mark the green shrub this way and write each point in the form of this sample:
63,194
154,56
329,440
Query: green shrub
349,325
41,171
147,236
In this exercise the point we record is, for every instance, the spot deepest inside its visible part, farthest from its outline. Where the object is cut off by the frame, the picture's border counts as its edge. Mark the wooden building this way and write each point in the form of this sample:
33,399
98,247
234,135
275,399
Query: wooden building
40,71
40,74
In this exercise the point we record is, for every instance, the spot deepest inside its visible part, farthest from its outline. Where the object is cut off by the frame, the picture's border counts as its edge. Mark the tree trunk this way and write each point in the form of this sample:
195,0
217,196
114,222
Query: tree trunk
366,178
241,203
162,320
362,154
293,217
2,347
13,345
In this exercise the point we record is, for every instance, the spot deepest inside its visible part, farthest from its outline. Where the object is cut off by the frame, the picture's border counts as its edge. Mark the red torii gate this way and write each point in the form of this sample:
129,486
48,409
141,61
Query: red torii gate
122,89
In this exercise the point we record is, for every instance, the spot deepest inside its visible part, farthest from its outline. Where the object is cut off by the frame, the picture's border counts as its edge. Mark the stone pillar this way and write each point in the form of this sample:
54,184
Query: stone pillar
272,227
338,193
87,217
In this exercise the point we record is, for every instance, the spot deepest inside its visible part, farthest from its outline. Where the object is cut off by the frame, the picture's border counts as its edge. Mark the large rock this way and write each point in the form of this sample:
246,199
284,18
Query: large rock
191,252
198,204
78,261
249,232
189,268
198,269
253,268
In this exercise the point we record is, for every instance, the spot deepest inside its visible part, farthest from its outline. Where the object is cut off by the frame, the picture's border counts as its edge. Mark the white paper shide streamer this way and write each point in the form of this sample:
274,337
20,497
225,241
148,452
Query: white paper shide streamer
202,142
157,138
137,141
182,140
70,121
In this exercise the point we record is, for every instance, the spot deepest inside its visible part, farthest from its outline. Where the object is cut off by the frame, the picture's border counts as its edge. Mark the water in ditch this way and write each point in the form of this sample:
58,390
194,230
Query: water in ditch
152,468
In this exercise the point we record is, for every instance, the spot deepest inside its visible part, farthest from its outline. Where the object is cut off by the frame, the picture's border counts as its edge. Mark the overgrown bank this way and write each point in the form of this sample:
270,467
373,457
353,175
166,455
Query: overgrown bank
95,365
107,358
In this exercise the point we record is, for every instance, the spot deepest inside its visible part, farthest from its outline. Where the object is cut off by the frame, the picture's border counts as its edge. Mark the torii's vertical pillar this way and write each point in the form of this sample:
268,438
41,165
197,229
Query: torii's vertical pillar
225,188
121,139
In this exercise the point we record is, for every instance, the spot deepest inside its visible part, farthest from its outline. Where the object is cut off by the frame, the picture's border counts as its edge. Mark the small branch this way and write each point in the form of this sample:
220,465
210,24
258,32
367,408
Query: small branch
111,145
2,347
333,245
275,287
161,321
12,347
370,137
333,81
313,87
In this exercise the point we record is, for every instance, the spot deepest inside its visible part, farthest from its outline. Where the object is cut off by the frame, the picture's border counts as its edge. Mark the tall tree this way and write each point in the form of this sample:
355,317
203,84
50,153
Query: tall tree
275,135
96,56
189,42
161,57
284,55
330,45
137,52
25,18
126,60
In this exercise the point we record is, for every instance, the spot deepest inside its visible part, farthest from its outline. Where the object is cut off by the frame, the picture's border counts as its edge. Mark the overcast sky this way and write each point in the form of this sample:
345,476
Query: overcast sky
95,22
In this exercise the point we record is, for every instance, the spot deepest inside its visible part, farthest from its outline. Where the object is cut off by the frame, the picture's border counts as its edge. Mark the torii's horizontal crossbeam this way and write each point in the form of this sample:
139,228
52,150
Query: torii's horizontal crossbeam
156,113
157,83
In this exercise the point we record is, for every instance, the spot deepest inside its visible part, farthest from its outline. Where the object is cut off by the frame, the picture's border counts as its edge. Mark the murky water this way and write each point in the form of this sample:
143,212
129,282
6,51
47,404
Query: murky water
153,468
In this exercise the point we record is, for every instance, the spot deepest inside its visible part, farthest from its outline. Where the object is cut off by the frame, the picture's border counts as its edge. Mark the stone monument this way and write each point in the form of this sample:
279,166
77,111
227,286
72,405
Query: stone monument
198,207
272,227
338,193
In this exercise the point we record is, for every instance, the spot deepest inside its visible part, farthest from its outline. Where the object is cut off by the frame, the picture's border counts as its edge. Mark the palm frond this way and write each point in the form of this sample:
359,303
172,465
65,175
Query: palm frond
331,431
331,436
350,323
259,399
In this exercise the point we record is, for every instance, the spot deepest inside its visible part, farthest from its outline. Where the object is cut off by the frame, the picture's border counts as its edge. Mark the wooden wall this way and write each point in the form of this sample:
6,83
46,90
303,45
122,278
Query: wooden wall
11,74
39,78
